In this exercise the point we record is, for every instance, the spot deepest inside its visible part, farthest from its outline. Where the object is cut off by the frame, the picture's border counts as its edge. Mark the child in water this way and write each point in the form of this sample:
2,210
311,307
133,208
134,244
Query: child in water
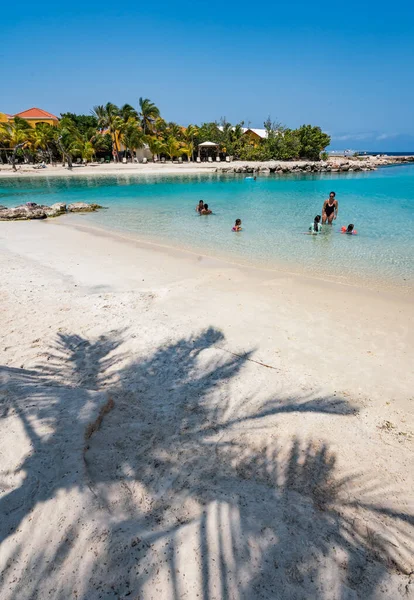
205,210
349,230
316,226
237,225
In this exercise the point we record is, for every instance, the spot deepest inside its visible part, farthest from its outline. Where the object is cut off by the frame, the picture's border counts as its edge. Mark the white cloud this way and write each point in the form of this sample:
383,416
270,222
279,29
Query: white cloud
352,136
386,136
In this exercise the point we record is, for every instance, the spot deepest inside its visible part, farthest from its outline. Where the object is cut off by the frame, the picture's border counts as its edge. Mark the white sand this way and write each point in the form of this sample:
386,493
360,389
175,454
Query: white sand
261,439
159,168
108,169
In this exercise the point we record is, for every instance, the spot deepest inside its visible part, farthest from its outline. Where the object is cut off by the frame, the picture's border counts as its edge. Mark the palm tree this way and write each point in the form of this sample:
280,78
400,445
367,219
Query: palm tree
127,111
156,145
83,148
85,145
67,136
109,118
176,131
189,135
132,136
148,114
43,138
16,134
172,147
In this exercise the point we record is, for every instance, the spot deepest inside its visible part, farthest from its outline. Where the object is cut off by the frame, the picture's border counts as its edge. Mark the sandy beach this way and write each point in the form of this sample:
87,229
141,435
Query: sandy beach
170,168
173,426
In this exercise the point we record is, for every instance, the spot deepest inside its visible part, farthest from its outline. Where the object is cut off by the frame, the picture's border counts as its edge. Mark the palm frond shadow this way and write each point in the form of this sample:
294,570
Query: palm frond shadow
258,517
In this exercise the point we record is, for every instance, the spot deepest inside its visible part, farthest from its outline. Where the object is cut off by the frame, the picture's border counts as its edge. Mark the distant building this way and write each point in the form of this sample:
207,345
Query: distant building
32,116
255,134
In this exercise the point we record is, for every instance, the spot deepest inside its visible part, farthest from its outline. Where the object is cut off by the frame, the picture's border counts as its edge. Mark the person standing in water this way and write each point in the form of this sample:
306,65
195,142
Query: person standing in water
330,209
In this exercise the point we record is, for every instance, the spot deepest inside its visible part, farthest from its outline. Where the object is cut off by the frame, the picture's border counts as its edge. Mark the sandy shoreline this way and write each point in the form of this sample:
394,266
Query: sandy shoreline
169,168
261,439
386,286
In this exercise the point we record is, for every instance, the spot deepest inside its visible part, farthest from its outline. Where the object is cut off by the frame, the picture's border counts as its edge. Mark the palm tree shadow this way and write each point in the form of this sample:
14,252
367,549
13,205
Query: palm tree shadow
170,463
60,395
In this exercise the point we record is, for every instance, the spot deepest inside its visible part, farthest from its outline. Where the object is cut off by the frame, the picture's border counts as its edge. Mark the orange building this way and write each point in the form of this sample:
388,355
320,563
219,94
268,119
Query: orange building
33,116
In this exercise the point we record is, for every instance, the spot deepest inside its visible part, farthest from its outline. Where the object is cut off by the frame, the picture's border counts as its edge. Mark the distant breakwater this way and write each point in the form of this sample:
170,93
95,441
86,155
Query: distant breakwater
333,165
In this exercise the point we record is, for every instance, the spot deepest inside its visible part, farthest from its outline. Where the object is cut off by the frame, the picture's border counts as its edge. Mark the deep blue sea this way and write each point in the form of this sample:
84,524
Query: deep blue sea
275,212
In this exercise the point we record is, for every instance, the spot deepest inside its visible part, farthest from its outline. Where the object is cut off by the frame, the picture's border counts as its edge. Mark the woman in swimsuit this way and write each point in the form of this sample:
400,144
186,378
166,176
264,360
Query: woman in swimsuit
330,209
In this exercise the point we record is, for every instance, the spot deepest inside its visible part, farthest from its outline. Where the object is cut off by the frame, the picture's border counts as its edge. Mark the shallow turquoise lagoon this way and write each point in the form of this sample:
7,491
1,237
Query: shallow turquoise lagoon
275,210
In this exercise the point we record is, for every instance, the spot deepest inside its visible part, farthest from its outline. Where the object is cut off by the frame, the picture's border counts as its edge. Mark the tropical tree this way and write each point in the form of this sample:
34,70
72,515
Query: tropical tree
109,118
160,127
312,141
43,138
83,122
132,136
176,131
148,113
172,147
156,145
83,148
17,135
232,137
189,145
85,145
67,139
127,112
209,132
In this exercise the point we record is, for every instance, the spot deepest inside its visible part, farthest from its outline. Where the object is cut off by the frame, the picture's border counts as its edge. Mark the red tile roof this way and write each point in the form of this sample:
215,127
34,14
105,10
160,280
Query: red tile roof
35,113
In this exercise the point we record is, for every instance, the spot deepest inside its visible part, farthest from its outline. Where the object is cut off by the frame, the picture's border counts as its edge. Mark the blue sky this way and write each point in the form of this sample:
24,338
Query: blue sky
348,67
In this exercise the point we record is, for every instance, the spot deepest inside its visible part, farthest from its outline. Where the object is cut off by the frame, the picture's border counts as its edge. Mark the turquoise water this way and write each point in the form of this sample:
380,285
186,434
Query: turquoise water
275,211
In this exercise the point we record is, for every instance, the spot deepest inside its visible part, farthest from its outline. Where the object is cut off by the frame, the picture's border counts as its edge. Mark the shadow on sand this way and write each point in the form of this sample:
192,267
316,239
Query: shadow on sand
201,495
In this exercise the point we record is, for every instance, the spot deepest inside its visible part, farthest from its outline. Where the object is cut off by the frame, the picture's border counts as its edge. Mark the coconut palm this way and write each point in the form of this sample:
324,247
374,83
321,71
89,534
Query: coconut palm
172,147
85,145
109,118
148,113
189,135
83,148
175,131
156,146
43,138
16,135
127,111
132,136
67,136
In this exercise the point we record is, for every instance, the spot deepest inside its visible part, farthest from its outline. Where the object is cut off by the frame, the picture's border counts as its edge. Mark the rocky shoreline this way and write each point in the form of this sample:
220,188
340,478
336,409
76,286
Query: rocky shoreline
31,210
333,165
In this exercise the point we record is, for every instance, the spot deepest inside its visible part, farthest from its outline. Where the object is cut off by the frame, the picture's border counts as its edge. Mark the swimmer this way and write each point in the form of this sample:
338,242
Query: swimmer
349,230
205,210
200,206
237,225
316,226
330,209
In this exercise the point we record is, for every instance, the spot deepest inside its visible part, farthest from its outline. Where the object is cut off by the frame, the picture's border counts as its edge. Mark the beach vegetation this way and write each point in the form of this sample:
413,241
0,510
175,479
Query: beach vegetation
121,131
16,135
312,141
43,140
172,147
132,136
148,114
82,122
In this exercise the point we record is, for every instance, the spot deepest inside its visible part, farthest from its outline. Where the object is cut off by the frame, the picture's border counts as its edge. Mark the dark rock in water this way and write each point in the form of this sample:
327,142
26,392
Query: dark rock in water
83,207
